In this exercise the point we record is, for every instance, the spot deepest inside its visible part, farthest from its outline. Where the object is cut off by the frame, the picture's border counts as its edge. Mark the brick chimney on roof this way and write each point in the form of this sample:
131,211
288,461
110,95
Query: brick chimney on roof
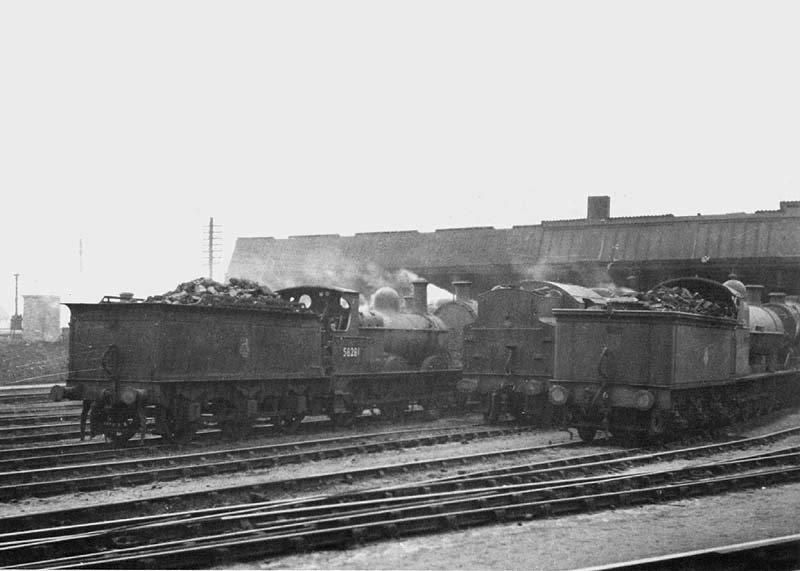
599,208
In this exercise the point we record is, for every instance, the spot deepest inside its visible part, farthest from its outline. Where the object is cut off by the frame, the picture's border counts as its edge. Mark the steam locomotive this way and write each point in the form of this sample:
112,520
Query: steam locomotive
645,370
171,368
457,314
509,351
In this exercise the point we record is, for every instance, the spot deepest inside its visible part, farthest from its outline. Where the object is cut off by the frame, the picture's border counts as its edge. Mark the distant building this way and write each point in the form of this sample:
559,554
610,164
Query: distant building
41,318
761,247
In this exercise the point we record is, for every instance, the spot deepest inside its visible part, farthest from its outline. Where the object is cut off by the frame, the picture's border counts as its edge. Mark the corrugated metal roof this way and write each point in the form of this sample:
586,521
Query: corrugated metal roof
662,238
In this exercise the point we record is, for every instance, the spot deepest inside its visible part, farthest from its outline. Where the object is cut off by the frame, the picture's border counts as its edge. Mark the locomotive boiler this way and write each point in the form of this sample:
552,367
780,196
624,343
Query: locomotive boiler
171,369
694,353
509,349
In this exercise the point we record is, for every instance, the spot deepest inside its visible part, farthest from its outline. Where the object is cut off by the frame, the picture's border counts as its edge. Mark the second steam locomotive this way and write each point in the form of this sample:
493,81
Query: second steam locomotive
509,349
694,354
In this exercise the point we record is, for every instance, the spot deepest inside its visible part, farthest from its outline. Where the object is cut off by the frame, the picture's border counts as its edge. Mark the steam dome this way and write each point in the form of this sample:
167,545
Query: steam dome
386,299
736,287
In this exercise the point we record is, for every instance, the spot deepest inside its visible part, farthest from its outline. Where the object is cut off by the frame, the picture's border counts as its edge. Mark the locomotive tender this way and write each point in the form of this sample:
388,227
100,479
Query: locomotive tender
509,349
312,352
637,371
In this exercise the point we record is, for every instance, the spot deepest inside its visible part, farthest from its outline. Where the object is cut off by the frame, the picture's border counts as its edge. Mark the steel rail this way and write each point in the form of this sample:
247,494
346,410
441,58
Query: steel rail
544,474
147,470
777,553
88,530
255,492
42,457
252,492
421,514
18,395
10,432
28,420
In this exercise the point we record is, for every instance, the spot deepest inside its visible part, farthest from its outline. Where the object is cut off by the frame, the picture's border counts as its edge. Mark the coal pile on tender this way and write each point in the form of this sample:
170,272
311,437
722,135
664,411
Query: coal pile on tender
237,292
681,299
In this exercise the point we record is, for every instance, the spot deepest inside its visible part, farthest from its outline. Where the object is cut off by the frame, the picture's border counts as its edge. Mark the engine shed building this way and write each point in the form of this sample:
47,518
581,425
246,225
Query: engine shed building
638,252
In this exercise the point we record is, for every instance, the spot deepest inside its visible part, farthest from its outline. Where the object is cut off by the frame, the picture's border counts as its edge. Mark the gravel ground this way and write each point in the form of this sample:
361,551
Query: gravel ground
574,542
453,449
556,543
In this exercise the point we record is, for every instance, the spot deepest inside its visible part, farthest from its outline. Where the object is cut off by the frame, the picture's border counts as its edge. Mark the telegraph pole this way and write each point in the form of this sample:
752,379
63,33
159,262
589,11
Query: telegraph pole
212,246
16,319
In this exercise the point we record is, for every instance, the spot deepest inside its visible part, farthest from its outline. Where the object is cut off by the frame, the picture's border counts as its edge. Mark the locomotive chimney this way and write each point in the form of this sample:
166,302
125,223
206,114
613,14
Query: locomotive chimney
755,294
420,295
599,208
777,297
463,292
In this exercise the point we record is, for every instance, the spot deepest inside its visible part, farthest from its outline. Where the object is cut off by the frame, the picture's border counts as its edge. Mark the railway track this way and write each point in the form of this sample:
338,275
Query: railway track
59,425
56,430
37,407
38,433
778,553
196,538
27,420
16,394
262,490
61,454
97,473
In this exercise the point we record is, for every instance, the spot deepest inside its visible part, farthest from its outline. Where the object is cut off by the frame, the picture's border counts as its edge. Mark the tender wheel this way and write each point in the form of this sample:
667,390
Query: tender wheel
436,362
183,433
392,411
520,411
291,423
118,437
587,433
344,419
657,425
172,429
236,430
120,424
492,407
432,411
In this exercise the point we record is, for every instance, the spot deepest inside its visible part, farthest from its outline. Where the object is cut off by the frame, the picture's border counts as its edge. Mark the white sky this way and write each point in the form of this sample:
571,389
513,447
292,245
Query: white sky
129,124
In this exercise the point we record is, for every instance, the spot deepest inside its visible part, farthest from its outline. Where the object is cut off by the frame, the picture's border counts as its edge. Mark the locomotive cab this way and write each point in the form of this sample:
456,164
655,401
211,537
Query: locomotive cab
335,306
508,350
344,349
